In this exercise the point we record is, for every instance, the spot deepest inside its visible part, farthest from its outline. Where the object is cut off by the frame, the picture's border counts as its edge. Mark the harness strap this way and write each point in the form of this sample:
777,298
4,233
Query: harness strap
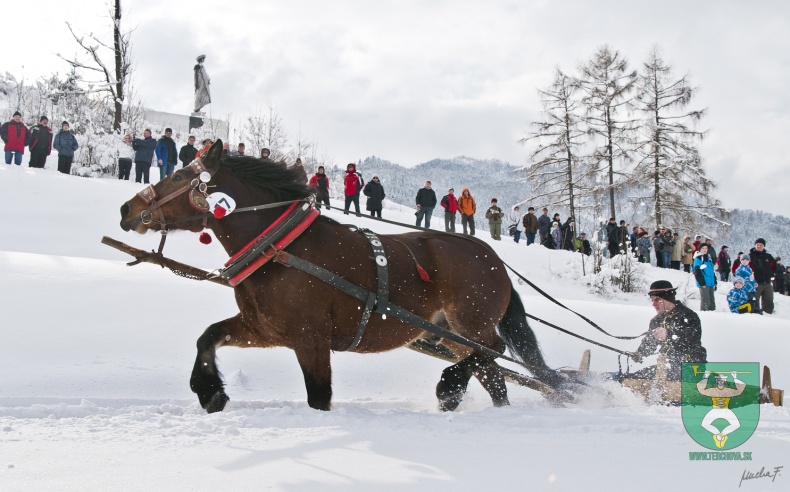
363,295
380,300
383,289
363,322
254,255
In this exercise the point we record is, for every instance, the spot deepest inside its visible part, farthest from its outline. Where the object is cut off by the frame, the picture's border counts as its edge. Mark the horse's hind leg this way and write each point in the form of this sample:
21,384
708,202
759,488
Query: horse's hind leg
490,376
206,379
452,386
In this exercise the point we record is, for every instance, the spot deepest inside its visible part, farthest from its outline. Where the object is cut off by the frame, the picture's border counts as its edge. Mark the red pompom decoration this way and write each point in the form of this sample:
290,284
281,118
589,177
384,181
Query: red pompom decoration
423,274
219,212
205,238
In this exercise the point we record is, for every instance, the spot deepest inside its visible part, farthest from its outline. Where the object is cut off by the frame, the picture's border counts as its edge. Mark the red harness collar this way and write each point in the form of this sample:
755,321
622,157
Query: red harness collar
286,238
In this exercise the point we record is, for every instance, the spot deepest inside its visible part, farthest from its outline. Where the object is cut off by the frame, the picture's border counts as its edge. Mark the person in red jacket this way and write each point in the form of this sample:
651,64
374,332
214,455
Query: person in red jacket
450,206
40,143
14,133
353,185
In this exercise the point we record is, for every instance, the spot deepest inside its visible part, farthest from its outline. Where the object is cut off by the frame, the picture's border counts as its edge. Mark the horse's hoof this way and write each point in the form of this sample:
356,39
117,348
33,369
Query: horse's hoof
449,405
217,402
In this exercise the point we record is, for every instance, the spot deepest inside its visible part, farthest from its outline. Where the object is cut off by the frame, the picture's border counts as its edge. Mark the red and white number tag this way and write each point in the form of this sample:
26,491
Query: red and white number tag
221,204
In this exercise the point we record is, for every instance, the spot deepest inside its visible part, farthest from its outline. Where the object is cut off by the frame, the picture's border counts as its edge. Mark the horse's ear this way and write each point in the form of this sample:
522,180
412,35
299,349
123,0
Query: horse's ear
213,155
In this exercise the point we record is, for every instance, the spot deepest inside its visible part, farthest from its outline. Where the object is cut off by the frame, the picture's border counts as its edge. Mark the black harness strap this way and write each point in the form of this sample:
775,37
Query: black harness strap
363,295
379,300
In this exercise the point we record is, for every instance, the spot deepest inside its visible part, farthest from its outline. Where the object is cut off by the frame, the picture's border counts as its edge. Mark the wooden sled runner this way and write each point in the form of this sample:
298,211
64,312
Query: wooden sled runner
665,391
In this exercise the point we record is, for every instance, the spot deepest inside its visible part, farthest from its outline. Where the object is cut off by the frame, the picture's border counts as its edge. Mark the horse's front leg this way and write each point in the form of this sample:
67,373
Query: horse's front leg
314,360
206,380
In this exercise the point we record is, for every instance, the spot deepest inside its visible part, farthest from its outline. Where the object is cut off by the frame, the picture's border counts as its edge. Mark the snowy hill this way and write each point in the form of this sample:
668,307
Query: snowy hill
96,358
748,225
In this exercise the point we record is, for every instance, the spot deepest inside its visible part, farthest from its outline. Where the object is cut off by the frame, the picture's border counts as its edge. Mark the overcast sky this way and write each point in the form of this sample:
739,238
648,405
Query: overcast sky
409,81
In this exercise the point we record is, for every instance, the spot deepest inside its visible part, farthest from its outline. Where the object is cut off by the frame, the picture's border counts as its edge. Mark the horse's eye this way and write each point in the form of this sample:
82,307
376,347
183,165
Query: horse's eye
177,177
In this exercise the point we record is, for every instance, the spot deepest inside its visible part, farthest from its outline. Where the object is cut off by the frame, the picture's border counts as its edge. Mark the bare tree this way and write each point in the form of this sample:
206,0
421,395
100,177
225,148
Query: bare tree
112,81
607,86
266,130
669,164
556,171
301,147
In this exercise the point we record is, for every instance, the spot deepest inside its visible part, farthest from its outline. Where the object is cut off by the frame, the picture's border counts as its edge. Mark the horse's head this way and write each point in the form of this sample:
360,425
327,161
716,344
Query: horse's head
170,203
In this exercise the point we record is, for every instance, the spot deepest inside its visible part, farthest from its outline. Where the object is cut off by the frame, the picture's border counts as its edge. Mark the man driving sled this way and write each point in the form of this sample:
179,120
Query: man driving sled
675,331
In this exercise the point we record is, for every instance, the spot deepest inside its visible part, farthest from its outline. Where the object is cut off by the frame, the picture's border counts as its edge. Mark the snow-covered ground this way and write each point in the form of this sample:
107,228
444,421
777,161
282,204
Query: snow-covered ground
96,356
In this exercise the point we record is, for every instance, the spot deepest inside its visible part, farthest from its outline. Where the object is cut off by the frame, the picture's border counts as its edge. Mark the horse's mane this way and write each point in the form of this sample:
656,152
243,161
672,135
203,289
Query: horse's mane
276,177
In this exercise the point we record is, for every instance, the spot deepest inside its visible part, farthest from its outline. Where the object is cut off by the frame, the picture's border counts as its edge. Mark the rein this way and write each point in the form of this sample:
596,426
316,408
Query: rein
537,289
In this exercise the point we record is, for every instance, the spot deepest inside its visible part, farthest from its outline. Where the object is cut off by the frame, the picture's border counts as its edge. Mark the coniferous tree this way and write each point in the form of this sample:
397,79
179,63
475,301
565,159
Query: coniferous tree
607,88
556,172
669,165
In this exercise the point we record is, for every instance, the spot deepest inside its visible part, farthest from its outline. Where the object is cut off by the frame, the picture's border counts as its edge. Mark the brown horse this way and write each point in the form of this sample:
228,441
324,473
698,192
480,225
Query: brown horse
470,293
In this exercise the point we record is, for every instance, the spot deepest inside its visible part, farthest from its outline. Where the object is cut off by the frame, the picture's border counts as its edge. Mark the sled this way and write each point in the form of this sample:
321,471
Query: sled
769,394
664,391
659,389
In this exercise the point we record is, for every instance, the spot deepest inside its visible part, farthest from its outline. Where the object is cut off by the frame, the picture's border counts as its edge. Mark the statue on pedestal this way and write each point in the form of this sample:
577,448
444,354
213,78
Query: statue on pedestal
202,94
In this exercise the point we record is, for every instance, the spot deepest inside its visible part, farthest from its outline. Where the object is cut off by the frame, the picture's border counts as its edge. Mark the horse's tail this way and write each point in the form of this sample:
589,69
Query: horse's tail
520,340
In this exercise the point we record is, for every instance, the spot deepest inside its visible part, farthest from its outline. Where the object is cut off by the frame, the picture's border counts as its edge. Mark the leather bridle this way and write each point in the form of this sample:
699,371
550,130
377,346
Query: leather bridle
198,199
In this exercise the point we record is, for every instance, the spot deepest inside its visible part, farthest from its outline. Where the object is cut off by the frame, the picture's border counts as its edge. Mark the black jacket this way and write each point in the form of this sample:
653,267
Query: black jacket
568,233
763,265
613,233
544,224
187,154
684,338
426,198
40,139
586,248
375,193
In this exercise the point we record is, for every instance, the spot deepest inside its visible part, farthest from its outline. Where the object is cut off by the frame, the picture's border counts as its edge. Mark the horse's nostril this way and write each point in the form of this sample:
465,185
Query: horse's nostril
124,210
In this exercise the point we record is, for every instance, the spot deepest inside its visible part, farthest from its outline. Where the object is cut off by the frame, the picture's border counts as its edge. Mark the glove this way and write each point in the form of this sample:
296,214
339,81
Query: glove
734,374
707,374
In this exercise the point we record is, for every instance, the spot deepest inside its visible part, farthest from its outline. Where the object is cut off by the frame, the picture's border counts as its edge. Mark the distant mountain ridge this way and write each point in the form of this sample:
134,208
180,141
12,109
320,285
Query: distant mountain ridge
486,179
492,178
748,225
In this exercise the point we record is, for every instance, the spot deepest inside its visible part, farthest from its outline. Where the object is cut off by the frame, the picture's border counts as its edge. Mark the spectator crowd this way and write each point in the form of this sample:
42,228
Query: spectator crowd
756,275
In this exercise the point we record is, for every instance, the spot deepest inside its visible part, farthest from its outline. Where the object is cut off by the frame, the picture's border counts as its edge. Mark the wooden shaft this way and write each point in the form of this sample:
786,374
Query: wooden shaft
145,256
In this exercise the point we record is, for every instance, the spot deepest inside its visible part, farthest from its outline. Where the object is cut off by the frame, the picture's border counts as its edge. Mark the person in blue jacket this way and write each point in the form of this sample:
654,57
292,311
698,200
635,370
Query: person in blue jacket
143,155
738,298
745,271
705,275
166,154
66,144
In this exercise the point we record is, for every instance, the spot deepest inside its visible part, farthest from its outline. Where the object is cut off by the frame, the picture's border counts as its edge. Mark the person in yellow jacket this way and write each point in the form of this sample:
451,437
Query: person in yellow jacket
467,207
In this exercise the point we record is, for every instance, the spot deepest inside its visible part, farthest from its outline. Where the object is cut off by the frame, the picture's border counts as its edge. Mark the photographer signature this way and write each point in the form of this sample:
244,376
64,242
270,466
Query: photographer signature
747,475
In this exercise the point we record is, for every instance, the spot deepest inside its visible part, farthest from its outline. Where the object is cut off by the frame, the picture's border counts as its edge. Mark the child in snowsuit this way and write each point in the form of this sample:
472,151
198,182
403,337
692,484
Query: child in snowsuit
738,298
